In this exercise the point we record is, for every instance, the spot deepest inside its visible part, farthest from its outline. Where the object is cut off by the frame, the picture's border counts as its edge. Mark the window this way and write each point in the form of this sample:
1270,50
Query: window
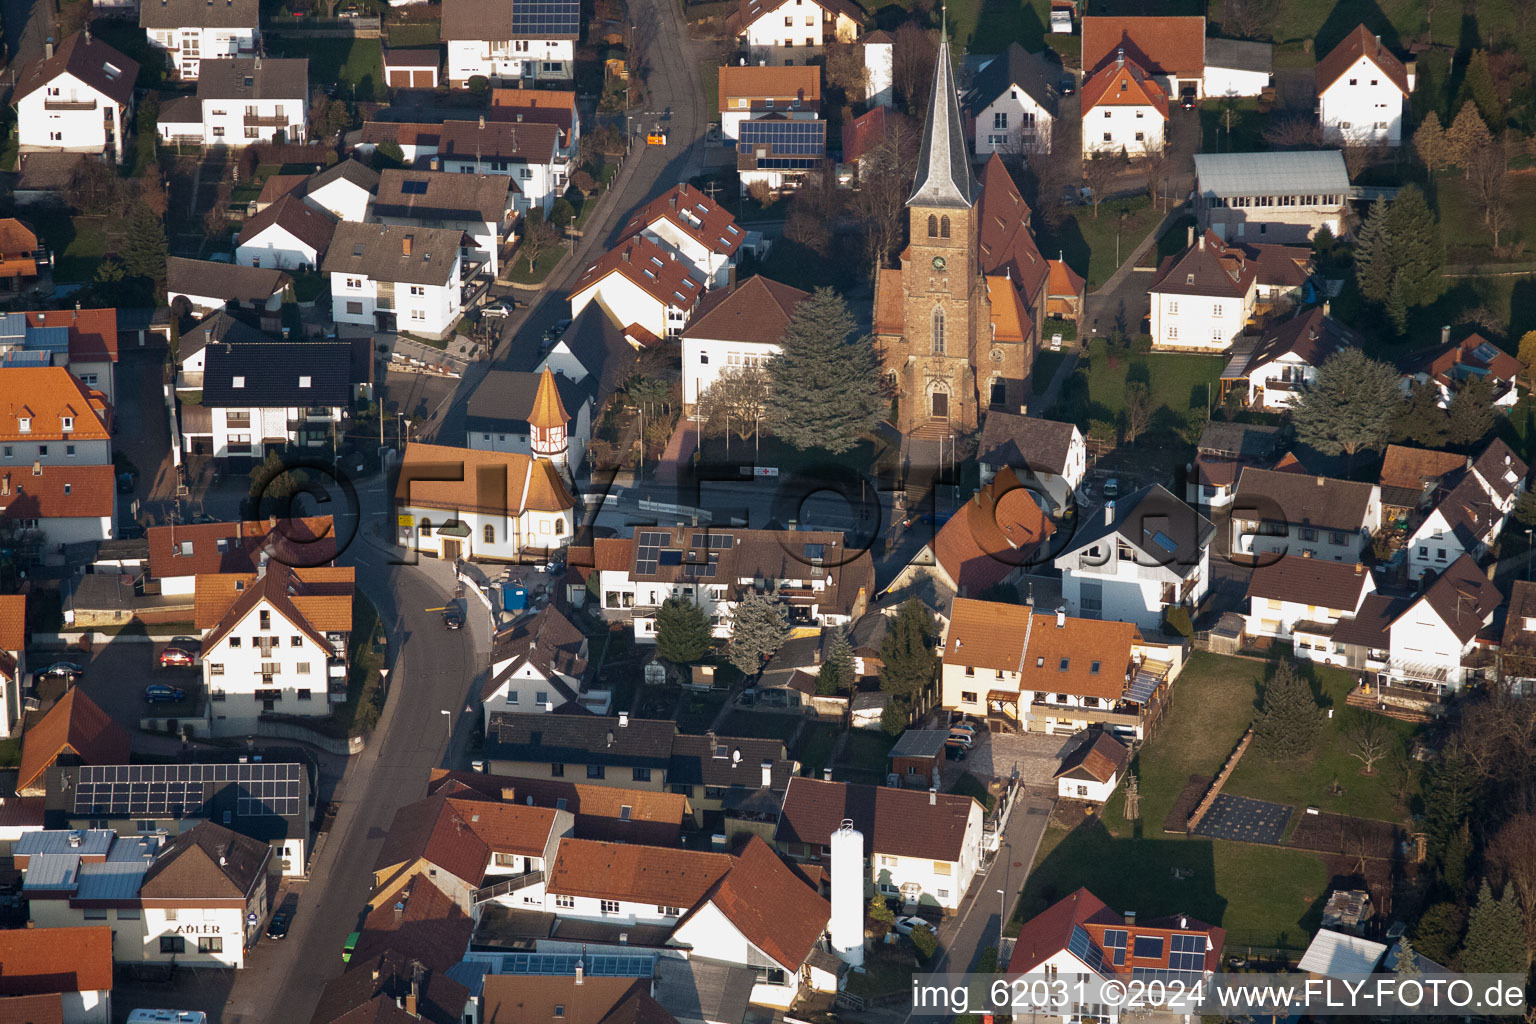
507,860
595,771
216,668
933,232
210,944
942,867
610,906
24,423
542,697
1216,309
129,914
69,423
69,449
938,331
95,915
302,695
968,696
670,911
565,902
418,290
234,641
490,534
943,894
641,775
1108,137
557,771
296,641
265,618
173,944
943,227
1173,307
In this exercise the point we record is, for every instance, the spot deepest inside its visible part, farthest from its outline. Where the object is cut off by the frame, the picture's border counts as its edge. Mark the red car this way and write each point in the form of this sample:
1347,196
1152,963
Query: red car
175,657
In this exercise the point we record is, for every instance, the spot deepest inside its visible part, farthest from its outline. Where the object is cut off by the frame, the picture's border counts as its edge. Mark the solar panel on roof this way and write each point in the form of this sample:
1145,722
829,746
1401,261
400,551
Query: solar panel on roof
1148,947
787,138
546,17
1188,953
1164,541
180,791
647,547
1141,688
1114,944
671,556
1081,946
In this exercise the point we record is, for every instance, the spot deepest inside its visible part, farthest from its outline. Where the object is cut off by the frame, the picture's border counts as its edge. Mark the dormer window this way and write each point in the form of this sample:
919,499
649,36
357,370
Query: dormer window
24,424
237,382
69,423
304,382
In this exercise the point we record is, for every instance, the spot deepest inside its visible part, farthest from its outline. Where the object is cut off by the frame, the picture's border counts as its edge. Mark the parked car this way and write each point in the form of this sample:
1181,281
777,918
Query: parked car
351,11
906,925
453,618
349,946
61,670
125,482
1187,97
175,657
159,693
190,644
278,928
1067,86
499,310
556,329
1111,488
961,722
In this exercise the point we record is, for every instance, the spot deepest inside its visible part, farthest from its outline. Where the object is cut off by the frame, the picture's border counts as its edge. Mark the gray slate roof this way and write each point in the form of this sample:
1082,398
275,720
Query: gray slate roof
1266,174
1016,66
254,78
1008,439
378,251
208,278
442,195
579,739
271,373
1239,55
944,177
217,327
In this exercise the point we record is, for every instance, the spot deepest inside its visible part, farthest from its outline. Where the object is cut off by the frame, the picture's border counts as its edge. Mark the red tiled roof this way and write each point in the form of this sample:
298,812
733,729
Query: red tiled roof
13,622
46,1009
531,484
771,906
315,601
890,308
196,549
647,265
58,492
756,311
90,60
534,106
863,134
311,226
1359,43
1082,657
782,84
1126,85
1100,760
75,724
1050,931
1007,245
1209,267
895,822
507,827
695,215
404,133
1064,280
1310,581
92,332
1161,44
606,813
435,830
637,874
44,396
1416,468
43,960
423,923
995,533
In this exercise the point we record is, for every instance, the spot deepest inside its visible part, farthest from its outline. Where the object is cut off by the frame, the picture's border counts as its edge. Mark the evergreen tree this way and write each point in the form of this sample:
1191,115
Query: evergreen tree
1477,88
1527,354
1373,258
1420,420
1466,135
826,382
1439,931
682,631
1349,406
1429,142
1414,245
759,625
1525,508
1407,960
893,720
880,911
144,248
836,665
1288,718
1451,791
908,662
1495,942
1470,414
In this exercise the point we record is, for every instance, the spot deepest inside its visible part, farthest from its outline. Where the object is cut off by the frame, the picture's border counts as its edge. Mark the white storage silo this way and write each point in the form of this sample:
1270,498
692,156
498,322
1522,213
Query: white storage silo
847,925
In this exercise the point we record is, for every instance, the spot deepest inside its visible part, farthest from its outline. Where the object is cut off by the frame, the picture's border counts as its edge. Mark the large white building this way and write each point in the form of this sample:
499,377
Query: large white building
1362,91
461,503
257,396
1125,110
693,227
242,101
737,331
391,277
290,234
1013,103
481,206
506,41
57,482
640,284
1271,197
76,100
1282,513
511,411
792,31
192,31
1203,298
276,641
1301,599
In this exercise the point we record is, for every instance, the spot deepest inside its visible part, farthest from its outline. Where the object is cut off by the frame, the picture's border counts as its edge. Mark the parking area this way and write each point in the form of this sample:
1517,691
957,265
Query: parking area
997,754
116,677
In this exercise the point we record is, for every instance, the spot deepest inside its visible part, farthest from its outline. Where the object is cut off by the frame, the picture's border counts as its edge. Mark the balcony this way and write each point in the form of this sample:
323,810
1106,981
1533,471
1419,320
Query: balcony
507,885
266,121
59,103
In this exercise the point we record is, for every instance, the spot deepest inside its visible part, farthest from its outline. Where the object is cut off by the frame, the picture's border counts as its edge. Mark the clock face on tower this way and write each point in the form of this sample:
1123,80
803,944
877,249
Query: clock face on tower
938,263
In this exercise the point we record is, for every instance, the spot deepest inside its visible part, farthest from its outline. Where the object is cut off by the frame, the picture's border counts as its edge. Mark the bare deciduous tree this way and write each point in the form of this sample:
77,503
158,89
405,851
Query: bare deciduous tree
1360,155
1488,175
885,178
1369,741
914,51
737,402
1153,168
1247,19
1138,411
845,69
1293,131
1099,174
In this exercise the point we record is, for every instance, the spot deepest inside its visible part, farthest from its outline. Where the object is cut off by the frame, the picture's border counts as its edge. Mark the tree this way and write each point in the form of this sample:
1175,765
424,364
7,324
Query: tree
1478,89
1289,718
1373,256
924,941
1099,173
908,661
880,911
1153,167
1451,793
1420,420
1470,416
682,631
1397,258
737,402
1429,142
390,153
1137,412
1527,353
1293,131
1439,931
914,53
827,382
273,484
893,719
759,625
880,203
1467,134
1525,508
845,69
813,213
583,182
1407,960
538,237
1369,741
836,665
1512,852
94,188
152,192
1349,405
1495,942
1247,19
1487,168
562,213
144,250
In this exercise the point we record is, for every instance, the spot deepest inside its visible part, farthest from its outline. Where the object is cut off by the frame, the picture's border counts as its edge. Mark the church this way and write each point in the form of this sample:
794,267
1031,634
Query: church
957,324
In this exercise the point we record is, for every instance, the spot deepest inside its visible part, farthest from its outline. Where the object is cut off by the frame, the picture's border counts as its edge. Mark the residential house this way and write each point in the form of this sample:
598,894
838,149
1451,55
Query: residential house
1225,449
290,234
242,101
501,410
264,396
1362,90
76,100
1287,357
83,881
73,731
1170,50
20,254
924,847
200,287
864,143
215,874
1054,674
51,419
1093,768
1432,640
1237,67
1469,517
879,60
539,665
755,90
1271,197
180,553
1302,599
263,797
412,69
606,813
527,152
640,283
1203,298
480,206
733,783
541,106
217,329
396,988
345,189
1517,648
1473,358
778,151
1124,110
51,506
421,926
191,31
1051,454
1012,104
749,908
1279,513
510,40
693,227
390,277
808,571
274,641
1411,477
994,537
1081,935
13,660
574,998
462,503
56,974
1136,558
735,330
418,141
792,31
84,340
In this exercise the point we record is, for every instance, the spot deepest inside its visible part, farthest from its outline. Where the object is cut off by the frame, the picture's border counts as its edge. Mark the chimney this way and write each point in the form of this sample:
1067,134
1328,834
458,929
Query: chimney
1191,235
580,971
625,255
826,773
48,49
672,201
87,33
1378,44
623,719
1202,242
610,737
1120,57
37,468
1061,617
482,120
1130,917
405,245
1445,334
414,998
257,63
1109,513
1359,568
933,797
399,910
1327,308
767,774
1322,481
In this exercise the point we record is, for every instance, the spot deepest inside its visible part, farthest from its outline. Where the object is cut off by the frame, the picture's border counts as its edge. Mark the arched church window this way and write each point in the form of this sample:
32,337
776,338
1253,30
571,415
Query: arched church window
933,226
938,330
944,228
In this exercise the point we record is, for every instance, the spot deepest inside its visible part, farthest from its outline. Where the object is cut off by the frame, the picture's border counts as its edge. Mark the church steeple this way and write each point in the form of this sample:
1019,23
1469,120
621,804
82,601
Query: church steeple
548,422
944,178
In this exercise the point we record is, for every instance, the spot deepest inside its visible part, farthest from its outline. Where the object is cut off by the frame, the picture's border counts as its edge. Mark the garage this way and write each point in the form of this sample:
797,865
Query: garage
412,69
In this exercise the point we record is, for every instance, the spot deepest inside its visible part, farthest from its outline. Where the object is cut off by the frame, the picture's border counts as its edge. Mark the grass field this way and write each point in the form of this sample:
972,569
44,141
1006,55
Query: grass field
759,725
698,710
517,267
1088,243
79,242
1465,238
1179,384
869,749
356,64
417,34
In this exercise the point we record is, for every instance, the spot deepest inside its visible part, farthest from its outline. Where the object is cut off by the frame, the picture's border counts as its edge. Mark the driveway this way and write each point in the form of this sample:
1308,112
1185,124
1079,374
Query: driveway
1035,755
141,426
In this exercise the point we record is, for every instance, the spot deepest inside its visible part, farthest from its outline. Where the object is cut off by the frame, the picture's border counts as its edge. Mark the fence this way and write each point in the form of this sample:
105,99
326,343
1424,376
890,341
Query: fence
321,28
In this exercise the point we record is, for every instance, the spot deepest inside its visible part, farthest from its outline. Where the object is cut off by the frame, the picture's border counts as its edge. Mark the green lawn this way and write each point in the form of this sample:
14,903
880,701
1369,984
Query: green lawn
869,749
517,267
970,785
364,701
1087,243
356,64
759,725
1179,385
814,748
1246,131
10,752
79,242
709,85
1461,226
415,34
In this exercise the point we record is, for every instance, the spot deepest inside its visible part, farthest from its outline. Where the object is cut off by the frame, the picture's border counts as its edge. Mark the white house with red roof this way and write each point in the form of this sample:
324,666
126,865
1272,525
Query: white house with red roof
690,225
640,283
1124,110
1362,88
77,99
734,331
1203,297
1454,363
793,31
85,340
1082,935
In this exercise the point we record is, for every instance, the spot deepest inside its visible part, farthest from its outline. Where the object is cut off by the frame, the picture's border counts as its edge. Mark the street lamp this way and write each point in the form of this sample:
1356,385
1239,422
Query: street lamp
1528,554
1002,915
